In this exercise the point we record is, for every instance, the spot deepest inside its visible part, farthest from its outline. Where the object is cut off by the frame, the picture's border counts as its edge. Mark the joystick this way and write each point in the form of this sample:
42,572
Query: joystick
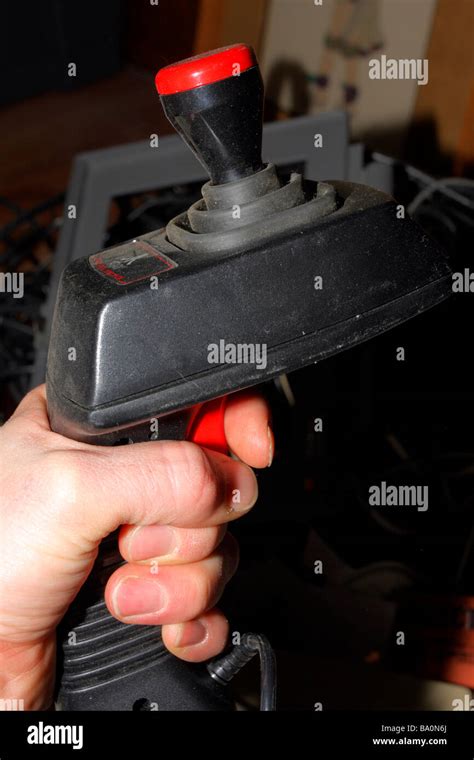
167,324
215,102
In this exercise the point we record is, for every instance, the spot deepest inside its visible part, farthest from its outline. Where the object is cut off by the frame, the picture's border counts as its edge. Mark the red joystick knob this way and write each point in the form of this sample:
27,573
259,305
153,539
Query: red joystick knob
215,102
203,69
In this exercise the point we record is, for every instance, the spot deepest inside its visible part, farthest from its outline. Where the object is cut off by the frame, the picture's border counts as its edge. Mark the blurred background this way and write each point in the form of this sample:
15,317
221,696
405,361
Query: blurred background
78,77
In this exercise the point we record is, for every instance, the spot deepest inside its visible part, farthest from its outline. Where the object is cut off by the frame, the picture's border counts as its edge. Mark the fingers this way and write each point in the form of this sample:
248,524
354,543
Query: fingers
247,429
166,545
169,482
145,595
197,640
93,489
247,423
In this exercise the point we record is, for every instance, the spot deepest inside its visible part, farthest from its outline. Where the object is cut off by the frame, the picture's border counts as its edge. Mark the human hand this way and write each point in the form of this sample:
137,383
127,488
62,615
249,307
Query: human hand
60,498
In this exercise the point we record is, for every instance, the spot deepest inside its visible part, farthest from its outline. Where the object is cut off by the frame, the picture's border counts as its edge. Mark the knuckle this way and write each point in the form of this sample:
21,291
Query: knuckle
208,587
206,488
211,578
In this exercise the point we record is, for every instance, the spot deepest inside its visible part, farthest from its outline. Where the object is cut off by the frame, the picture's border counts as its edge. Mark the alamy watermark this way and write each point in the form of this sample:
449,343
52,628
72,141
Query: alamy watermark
463,282
44,733
399,68
467,704
12,282
237,353
12,705
384,495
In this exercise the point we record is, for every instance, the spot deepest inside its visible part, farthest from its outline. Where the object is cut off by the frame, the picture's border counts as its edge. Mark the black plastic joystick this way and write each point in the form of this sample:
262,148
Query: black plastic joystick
215,101
237,270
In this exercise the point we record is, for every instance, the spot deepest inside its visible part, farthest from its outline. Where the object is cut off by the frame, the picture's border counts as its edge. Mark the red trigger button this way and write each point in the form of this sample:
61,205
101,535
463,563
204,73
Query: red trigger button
206,426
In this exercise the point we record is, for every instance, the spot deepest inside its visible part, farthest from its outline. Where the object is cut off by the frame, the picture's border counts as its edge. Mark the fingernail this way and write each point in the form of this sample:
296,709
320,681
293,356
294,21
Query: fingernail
271,445
242,489
152,541
138,596
191,634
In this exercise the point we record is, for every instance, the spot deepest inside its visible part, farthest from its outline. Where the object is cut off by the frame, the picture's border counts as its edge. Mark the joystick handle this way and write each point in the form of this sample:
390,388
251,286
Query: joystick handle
215,102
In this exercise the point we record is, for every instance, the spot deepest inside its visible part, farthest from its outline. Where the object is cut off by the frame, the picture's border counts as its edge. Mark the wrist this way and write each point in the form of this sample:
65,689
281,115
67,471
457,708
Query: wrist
27,674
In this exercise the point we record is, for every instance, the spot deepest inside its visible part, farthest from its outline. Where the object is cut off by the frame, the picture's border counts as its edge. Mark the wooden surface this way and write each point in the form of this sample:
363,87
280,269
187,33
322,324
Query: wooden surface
41,136
209,26
445,99
225,22
156,35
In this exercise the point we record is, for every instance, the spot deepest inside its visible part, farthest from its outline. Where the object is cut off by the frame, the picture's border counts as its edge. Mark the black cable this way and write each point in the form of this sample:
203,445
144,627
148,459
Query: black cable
226,667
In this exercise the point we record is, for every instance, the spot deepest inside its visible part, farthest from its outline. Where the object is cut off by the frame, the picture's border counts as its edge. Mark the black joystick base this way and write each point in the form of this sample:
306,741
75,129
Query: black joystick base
250,211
